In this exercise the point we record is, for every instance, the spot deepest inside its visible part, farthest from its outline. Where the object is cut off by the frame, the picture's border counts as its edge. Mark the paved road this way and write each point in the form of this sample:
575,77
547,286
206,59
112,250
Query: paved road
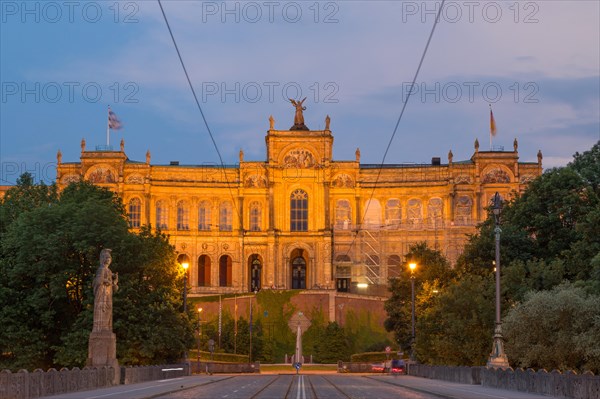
299,387
303,386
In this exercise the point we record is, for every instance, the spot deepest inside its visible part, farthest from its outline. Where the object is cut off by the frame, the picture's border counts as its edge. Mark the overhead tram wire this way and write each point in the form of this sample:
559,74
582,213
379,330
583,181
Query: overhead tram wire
387,149
201,112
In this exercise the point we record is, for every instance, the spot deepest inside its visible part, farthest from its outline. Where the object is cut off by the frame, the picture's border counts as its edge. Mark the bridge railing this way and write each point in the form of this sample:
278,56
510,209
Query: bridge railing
564,385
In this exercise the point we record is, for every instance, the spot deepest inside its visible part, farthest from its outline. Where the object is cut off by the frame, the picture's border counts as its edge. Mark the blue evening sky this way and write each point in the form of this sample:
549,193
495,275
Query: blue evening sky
62,63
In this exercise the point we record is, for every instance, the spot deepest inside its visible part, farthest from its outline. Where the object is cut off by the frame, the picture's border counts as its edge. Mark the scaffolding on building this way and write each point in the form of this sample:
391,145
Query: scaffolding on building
372,254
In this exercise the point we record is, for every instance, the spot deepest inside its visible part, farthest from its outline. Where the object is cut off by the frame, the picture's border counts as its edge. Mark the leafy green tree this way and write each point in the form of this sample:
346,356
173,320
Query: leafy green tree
558,328
456,329
25,196
333,345
49,254
433,272
587,165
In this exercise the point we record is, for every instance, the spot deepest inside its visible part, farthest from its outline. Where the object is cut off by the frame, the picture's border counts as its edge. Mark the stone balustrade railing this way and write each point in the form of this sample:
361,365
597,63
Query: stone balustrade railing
28,385
554,383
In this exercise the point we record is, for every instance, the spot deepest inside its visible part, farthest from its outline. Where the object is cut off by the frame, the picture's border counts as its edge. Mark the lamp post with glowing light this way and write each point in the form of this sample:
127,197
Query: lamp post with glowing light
498,358
185,266
412,267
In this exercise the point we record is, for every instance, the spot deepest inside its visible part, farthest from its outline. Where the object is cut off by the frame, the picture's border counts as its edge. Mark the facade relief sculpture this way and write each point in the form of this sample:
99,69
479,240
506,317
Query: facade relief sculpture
299,158
256,181
101,175
496,175
343,180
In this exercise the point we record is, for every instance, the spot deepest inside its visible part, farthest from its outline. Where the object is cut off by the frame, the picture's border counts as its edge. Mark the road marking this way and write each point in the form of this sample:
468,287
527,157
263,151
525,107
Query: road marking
301,387
122,392
170,379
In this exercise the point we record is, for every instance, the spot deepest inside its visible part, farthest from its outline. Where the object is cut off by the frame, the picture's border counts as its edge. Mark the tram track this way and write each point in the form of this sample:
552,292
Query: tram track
257,394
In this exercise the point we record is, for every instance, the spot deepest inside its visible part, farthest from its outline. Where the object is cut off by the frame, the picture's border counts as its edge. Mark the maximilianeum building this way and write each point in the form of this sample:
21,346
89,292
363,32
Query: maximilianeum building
300,219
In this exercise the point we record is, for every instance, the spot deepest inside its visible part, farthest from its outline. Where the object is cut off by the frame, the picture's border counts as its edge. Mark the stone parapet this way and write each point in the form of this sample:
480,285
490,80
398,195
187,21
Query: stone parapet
562,385
218,367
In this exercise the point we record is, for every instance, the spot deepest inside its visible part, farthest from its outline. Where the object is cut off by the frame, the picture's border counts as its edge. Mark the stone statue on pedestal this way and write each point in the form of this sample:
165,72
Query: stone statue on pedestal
102,348
299,116
105,283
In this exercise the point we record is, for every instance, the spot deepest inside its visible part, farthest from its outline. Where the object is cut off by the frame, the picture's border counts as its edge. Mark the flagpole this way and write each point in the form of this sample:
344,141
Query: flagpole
108,128
490,127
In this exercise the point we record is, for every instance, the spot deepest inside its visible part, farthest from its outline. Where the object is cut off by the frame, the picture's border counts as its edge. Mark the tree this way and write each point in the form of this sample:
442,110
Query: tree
558,328
433,272
333,345
49,254
456,328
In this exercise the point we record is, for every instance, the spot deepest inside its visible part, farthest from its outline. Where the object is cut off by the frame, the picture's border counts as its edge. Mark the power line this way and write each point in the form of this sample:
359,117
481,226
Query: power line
437,18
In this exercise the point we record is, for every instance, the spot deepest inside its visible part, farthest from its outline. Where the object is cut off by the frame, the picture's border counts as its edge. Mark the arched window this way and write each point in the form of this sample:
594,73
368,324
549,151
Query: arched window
255,265
162,215
225,271
464,205
415,213
343,214
135,212
393,213
204,271
183,216
225,216
372,213
435,212
204,216
298,273
255,216
299,211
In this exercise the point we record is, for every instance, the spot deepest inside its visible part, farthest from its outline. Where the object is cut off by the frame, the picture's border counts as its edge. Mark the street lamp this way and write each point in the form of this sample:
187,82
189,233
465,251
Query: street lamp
185,266
412,267
498,357
199,336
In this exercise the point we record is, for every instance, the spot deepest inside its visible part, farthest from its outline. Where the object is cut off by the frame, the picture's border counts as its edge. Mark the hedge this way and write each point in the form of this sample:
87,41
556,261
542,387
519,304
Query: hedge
373,357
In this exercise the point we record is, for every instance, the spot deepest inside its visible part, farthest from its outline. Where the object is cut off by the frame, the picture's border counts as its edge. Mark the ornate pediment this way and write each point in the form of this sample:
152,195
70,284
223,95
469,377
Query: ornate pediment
259,181
463,179
527,179
135,179
70,178
342,180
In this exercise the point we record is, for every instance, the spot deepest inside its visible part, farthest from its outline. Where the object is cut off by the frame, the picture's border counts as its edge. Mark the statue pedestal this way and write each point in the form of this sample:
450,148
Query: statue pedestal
102,351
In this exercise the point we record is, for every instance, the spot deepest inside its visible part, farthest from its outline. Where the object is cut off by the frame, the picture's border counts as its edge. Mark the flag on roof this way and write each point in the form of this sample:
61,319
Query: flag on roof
113,121
492,123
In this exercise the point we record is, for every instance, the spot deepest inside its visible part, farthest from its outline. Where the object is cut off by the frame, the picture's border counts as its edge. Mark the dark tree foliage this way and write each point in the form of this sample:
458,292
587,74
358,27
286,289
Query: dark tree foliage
333,345
433,272
49,255
550,234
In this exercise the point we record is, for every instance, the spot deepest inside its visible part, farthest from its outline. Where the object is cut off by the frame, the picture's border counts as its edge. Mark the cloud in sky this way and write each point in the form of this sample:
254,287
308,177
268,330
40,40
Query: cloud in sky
352,59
